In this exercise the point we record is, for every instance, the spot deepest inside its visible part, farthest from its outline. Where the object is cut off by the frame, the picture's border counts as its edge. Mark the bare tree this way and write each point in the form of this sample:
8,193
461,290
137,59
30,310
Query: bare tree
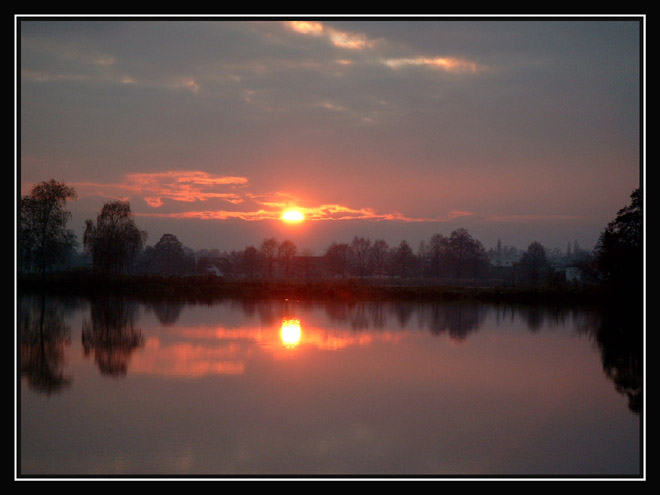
438,248
114,241
360,251
268,252
404,260
379,253
337,258
465,254
286,252
43,239
250,262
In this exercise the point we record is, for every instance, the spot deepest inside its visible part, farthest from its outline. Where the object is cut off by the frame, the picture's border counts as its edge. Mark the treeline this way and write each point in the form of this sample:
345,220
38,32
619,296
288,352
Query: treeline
114,246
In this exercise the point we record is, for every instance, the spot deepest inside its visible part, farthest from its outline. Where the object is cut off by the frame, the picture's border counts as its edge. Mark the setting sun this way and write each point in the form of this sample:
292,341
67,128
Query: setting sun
292,216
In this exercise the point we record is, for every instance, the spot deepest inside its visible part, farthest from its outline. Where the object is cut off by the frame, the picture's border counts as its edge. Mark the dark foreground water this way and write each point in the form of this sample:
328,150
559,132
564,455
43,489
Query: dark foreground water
287,388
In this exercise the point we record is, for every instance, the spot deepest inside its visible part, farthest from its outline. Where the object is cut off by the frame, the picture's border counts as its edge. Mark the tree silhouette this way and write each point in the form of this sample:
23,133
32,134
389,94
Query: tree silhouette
114,241
619,252
465,254
286,252
337,258
360,250
378,253
404,259
437,249
250,261
534,266
43,239
268,252
170,257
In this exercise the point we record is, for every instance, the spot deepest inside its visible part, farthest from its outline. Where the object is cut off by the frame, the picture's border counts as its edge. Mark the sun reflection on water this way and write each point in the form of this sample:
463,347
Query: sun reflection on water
290,333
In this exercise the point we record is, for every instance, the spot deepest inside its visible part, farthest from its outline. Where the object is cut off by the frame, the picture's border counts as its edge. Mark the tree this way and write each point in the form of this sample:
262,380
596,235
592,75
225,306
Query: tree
285,253
268,252
114,241
43,239
534,265
250,262
438,248
337,258
404,260
379,253
620,249
360,250
169,255
465,254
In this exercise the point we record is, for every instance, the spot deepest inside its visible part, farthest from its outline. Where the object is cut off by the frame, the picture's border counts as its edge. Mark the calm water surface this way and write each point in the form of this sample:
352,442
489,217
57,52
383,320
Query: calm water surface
284,387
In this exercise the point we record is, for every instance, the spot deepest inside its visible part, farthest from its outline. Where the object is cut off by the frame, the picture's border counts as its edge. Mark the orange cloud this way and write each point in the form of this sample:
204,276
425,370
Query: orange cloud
314,213
272,210
340,39
448,64
458,214
306,27
177,185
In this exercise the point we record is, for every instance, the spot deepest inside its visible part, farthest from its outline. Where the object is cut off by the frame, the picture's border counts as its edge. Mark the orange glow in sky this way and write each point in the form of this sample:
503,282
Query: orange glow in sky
292,216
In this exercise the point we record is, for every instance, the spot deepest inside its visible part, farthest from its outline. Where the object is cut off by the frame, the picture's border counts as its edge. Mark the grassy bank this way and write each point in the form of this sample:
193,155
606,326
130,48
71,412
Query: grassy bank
210,288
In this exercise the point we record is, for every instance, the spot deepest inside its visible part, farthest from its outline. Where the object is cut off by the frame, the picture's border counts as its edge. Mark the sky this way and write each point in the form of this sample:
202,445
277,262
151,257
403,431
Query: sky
517,129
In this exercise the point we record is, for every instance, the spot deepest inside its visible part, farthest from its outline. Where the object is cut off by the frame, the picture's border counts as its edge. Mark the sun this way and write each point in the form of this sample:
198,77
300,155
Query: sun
292,216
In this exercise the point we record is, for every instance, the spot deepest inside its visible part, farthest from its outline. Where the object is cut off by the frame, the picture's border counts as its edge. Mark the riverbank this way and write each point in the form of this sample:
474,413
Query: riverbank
211,288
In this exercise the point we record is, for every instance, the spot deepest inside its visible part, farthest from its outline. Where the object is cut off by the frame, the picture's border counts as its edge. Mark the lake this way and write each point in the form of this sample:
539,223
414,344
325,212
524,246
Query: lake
289,388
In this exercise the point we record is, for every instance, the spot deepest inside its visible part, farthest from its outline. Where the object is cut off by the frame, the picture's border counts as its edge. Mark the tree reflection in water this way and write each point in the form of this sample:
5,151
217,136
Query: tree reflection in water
111,334
457,319
618,333
43,338
167,312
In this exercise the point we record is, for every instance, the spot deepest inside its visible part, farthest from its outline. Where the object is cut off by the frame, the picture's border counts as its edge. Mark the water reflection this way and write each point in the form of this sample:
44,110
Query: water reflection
290,332
287,387
168,312
44,338
616,334
111,335
458,320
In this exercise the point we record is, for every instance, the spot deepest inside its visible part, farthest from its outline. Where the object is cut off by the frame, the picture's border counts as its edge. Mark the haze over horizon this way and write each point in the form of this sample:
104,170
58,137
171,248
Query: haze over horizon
521,130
